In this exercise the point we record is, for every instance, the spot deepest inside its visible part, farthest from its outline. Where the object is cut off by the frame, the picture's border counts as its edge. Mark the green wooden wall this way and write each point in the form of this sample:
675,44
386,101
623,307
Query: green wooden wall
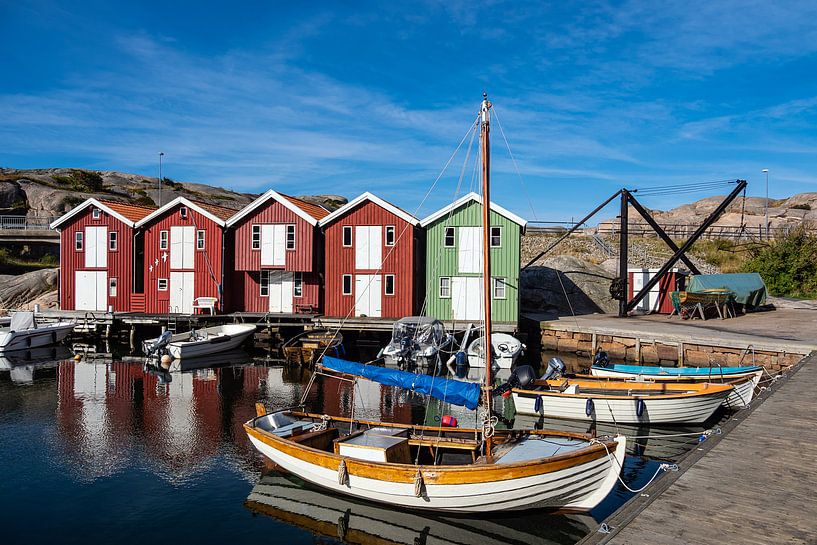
441,261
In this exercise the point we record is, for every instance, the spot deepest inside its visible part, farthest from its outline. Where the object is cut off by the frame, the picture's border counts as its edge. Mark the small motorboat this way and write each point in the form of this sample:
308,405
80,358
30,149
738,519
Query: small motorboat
507,350
199,342
306,347
416,341
23,365
23,332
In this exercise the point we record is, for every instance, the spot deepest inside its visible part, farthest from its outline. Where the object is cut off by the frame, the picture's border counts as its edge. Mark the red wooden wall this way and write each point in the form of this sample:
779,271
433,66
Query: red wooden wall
299,259
245,292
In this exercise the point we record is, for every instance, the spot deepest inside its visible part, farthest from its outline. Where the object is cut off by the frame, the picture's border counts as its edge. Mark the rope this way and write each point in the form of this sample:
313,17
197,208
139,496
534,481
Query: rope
661,467
515,166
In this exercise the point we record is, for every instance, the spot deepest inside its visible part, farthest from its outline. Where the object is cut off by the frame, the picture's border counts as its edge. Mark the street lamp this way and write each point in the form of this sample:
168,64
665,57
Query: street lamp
766,171
161,154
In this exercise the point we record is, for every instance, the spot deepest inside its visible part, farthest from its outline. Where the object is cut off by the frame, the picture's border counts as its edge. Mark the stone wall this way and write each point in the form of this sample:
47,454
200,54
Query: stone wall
635,350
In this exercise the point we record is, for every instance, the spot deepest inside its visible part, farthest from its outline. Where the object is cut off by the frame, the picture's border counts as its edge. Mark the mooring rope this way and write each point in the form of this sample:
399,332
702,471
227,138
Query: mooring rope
661,467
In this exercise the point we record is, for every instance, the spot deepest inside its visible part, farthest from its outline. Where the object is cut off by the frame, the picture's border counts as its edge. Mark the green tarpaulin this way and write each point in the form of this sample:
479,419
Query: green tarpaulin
749,288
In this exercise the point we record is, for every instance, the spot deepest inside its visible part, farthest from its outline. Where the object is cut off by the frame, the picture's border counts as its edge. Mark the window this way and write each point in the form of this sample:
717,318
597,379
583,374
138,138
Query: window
256,237
162,285
347,235
499,288
448,242
390,235
112,287
265,283
389,288
97,213
290,237
496,237
445,287
183,211
112,242
347,284
298,289
78,241
200,239
163,238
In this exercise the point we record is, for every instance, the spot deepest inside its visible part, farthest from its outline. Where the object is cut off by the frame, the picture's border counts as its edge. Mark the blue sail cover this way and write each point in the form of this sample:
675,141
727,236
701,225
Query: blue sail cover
451,391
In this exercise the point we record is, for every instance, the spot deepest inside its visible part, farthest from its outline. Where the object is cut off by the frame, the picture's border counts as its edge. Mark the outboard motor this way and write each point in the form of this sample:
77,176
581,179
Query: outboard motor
152,347
406,348
521,377
556,368
601,359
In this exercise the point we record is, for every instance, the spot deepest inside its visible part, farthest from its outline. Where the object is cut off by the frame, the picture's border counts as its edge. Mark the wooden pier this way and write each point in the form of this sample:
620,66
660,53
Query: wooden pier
753,485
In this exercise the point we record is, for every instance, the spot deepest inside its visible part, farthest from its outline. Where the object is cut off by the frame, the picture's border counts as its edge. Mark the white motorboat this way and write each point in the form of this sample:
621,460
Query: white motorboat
507,350
416,341
23,332
199,342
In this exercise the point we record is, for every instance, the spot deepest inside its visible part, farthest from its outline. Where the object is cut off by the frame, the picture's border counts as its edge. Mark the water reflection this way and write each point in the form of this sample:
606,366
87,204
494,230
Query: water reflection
22,365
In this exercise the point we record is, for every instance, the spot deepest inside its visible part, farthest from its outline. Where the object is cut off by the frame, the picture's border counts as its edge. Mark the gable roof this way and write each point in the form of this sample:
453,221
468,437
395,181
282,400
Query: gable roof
128,214
218,214
400,213
307,211
465,199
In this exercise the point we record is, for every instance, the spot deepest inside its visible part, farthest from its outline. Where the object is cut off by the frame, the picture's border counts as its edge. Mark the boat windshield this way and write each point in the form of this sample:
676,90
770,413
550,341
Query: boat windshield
421,329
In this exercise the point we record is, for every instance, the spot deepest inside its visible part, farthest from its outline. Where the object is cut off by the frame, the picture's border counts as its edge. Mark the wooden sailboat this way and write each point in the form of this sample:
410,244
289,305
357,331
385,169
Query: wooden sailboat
443,469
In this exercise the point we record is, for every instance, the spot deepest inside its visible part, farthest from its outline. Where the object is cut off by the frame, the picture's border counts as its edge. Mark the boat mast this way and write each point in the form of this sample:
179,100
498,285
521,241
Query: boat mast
484,138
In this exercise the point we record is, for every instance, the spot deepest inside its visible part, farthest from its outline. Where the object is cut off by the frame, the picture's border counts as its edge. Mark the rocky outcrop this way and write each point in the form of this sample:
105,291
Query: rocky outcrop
22,291
567,285
12,198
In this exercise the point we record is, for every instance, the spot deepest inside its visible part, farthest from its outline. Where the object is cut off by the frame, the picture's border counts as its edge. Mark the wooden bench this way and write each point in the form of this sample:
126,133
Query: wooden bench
305,308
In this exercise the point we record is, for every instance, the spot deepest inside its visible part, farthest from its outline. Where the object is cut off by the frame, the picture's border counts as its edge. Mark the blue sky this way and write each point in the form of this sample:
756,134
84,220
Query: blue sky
331,97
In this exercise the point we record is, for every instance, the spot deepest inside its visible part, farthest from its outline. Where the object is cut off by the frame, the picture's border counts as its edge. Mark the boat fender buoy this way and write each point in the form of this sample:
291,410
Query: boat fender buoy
418,484
588,407
166,359
77,357
448,421
639,407
537,405
343,475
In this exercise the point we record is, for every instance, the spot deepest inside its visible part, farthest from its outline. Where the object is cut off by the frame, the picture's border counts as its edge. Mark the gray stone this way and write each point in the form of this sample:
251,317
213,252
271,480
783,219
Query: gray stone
21,290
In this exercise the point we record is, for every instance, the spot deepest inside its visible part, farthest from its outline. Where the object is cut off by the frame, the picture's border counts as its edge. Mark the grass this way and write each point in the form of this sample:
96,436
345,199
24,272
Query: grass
726,255
12,264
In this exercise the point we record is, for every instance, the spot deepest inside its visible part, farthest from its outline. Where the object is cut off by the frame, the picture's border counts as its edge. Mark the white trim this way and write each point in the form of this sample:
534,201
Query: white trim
159,284
172,204
351,236
263,283
203,239
343,284
453,236
86,204
405,216
272,194
393,236
494,284
440,287
252,234
386,285
466,199
491,236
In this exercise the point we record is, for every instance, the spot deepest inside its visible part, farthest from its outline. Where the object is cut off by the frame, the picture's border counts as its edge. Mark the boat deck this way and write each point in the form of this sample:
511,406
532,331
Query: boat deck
754,485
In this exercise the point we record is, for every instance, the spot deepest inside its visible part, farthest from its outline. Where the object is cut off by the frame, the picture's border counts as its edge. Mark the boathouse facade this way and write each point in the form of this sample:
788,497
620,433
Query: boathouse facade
454,249
183,244
372,251
97,265
276,255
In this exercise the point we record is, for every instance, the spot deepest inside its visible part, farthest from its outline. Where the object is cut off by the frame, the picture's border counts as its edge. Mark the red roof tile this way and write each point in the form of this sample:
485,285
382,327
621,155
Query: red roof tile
131,211
218,211
316,211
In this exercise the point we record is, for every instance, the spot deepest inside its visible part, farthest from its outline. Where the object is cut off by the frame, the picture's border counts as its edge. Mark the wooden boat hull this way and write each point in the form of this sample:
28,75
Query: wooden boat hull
235,335
579,481
44,335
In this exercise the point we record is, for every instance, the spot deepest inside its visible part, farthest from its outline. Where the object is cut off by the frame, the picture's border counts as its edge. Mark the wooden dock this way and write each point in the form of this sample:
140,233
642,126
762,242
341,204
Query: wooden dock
754,485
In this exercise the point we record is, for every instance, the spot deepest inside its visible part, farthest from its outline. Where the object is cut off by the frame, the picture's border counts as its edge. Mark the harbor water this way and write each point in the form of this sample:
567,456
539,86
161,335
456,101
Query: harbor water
104,450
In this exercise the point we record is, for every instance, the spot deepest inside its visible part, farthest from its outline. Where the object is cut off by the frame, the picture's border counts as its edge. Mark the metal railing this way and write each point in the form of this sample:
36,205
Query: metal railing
681,230
26,223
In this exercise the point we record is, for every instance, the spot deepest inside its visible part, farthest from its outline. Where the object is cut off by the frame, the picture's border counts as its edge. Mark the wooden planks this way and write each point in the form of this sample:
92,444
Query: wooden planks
756,486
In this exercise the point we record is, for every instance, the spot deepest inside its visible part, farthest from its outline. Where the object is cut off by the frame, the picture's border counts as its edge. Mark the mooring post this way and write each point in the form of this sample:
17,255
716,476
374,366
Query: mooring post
638,350
680,353
622,255
132,337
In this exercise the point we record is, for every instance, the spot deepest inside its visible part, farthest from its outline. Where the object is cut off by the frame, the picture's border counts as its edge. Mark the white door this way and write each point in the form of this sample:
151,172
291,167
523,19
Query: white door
469,250
96,246
273,245
368,291
281,287
181,292
91,288
368,247
466,298
182,247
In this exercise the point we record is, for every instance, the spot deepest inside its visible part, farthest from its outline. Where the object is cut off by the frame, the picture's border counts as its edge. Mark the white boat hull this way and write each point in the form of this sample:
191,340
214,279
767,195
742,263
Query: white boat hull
44,335
213,344
507,350
668,410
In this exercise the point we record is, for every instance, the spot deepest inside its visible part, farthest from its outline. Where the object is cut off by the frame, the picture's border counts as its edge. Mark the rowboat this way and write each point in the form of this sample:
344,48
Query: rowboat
200,342
627,402
506,350
306,347
23,332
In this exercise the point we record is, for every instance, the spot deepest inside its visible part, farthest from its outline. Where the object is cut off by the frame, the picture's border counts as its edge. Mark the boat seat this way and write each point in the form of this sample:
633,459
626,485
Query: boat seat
572,389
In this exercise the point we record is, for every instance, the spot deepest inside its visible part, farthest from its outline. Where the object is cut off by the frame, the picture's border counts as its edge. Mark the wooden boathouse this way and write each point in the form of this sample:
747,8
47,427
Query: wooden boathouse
97,265
276,256
184,246
372,253
454,261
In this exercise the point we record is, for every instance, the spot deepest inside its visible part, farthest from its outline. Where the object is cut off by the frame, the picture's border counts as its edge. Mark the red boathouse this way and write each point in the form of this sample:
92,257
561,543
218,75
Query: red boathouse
371,253
184,246
277,255
97,262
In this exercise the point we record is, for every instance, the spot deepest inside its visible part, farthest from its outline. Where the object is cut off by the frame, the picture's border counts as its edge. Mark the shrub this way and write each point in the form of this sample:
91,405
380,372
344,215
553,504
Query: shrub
81,180
801,207
787,264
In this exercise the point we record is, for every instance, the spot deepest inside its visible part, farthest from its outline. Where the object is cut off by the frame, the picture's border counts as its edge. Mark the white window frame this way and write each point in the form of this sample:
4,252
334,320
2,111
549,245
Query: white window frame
96,213
447,287
386,284
499,229
113,241
201,240
263,283
160,282
393,230
290,230
113,286
298,284
347,229
343,284
183,211
453,237
164,239
495,286
255,237
79,241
